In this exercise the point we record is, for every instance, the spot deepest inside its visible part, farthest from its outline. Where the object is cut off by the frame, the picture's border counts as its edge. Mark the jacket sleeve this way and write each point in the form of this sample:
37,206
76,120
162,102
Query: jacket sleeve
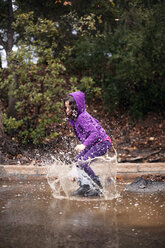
90,127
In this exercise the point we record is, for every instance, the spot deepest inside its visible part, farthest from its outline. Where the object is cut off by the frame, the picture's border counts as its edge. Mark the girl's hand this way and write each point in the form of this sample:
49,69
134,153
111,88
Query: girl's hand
79,148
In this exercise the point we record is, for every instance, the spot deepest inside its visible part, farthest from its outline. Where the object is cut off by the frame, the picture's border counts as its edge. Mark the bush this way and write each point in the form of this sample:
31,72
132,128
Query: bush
36,89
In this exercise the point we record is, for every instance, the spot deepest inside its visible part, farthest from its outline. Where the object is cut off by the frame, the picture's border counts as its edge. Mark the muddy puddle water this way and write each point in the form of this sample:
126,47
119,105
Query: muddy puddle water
31,217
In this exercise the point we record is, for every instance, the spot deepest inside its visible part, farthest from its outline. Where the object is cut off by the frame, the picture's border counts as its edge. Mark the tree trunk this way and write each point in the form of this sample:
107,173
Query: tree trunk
0,62
10,31
9,46
1,123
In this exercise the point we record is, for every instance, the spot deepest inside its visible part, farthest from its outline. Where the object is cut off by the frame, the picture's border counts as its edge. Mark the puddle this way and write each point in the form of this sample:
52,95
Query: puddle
31,217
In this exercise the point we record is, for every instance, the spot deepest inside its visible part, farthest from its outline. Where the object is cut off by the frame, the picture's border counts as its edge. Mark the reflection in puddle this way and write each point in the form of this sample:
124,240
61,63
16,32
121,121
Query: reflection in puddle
31,217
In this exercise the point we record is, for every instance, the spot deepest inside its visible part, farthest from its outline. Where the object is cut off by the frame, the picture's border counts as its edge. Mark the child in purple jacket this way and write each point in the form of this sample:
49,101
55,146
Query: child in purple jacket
93,137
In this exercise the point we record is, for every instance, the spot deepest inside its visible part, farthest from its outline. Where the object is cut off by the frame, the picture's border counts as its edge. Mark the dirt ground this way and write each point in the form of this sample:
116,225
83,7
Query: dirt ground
134,141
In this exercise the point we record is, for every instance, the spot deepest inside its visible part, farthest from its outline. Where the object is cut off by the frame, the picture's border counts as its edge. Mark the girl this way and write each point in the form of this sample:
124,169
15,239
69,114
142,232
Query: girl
93,137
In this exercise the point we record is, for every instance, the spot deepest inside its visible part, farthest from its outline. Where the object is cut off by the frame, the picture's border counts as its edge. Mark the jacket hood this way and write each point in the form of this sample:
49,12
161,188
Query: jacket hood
79,98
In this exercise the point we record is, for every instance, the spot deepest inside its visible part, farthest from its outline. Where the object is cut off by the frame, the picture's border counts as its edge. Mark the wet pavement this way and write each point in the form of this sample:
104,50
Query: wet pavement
31,217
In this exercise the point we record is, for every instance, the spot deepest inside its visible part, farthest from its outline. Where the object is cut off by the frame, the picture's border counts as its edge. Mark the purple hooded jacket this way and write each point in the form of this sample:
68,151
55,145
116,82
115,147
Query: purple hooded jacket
87,129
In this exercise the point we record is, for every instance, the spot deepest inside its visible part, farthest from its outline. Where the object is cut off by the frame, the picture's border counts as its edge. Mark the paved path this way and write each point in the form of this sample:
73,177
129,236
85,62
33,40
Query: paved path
124,171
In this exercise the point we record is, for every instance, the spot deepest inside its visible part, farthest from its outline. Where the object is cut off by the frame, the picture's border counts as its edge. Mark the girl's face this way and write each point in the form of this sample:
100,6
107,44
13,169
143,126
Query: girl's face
68,108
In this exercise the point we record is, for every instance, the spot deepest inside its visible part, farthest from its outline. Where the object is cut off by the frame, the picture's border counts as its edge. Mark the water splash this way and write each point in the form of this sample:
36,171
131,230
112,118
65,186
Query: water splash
62,177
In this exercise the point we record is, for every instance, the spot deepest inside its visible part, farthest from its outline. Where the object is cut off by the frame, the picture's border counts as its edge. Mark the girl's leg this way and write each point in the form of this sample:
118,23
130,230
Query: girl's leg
84,165
95,151
92,152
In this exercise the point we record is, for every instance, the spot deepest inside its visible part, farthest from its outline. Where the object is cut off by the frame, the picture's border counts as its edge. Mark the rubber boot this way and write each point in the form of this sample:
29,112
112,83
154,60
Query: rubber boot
96,179
81,190
93,192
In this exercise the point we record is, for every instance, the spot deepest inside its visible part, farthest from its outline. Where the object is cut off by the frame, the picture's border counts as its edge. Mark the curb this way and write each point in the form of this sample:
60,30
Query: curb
133,170
35,172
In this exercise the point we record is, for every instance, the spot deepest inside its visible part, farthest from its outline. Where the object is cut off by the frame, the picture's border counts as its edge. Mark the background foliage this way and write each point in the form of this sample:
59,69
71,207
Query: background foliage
112,50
